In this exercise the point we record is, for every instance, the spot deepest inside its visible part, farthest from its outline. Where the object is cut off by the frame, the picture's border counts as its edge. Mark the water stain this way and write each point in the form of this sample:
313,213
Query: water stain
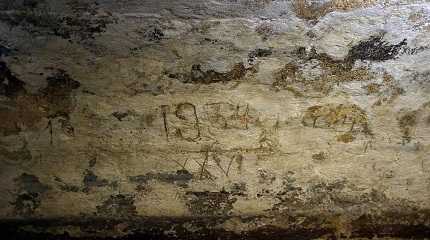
82,22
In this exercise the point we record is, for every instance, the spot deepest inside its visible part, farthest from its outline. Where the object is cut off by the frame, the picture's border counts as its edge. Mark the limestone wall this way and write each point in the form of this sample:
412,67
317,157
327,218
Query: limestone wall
197,118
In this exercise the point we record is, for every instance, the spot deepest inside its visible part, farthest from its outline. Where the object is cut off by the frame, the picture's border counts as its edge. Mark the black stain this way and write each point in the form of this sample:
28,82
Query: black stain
5,51
198,76
29,195
26,203
31,183
301,227
91,180
211,76
210,203
118,206
10,85
180,177
67,187
61,80
92,162
259,52
120,115
238,189
153,34
375,49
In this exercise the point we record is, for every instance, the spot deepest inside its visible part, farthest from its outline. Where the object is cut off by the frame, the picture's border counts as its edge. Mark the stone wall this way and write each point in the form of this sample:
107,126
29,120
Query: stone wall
215,119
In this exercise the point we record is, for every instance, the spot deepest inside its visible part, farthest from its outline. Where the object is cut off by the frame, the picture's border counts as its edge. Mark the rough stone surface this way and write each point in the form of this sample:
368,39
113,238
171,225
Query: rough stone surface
219,119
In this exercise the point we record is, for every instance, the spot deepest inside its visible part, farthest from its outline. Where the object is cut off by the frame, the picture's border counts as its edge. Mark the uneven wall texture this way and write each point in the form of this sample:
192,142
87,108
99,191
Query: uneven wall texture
215,119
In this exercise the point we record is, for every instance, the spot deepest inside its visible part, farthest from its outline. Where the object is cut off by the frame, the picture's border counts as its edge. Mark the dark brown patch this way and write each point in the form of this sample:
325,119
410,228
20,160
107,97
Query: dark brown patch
345,138
319,157
333,72
407,123
197,75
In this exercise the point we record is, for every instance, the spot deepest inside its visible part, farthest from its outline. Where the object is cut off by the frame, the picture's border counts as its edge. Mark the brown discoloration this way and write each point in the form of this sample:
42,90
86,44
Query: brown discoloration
372,88
336,115
335,72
